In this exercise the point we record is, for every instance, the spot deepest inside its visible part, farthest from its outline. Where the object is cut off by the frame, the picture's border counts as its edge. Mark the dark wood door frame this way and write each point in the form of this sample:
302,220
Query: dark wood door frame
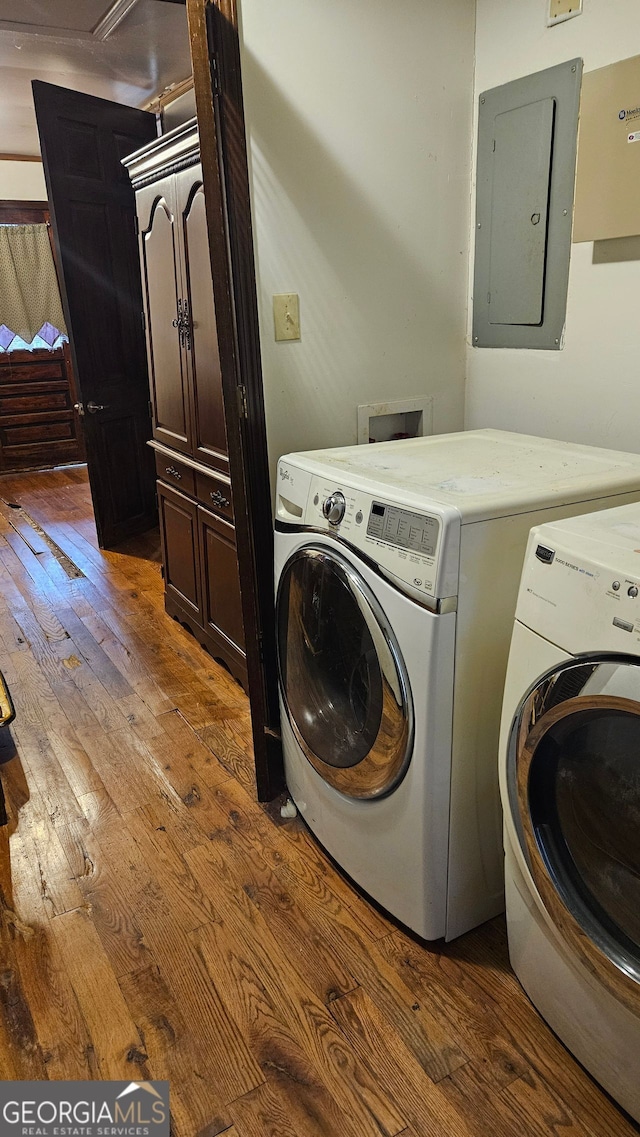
215,51
21,212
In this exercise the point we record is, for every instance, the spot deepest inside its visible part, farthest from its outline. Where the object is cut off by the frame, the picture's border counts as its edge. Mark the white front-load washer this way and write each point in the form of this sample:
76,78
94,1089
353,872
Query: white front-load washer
397,568
570,785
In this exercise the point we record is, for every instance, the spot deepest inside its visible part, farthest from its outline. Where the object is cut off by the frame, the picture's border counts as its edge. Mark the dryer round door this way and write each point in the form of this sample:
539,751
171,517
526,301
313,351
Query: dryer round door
342,679
574,792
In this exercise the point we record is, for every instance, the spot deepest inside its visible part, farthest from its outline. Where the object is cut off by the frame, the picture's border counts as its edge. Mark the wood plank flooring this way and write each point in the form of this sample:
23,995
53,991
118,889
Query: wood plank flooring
158,923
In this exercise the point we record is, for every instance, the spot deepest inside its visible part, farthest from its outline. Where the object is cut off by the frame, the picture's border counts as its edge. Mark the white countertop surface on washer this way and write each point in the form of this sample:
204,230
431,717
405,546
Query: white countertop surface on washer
482,473
609,538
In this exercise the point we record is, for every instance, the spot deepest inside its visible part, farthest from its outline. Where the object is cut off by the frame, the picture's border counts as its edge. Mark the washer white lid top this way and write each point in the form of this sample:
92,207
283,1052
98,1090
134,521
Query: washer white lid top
609,538
482,473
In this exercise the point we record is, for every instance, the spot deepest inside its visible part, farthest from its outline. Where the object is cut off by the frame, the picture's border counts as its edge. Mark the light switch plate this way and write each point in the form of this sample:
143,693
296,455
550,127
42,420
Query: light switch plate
286,316
561,10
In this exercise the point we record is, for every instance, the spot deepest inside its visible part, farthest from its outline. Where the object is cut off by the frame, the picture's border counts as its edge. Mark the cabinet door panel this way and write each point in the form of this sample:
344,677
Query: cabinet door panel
180,550
209,434
221,604
161,281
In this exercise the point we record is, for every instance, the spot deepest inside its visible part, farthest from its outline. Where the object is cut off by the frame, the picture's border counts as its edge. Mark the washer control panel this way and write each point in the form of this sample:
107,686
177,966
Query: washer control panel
415,548
403,542
577,596
403,528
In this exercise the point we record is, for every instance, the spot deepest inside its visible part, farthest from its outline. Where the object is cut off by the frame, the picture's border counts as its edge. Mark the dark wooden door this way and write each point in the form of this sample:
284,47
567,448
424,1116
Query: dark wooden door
181,556
83,140
162,285
215,52
202,352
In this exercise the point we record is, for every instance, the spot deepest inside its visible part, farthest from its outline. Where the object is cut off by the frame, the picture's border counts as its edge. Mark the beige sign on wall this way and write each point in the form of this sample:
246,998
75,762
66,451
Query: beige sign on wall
607,200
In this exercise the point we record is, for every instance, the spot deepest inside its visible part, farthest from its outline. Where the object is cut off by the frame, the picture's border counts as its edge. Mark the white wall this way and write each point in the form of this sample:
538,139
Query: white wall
22,181
589,391
359,125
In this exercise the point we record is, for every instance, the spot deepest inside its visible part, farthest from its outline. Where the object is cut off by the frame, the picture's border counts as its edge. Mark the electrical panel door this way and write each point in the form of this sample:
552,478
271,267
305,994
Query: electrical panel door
527,133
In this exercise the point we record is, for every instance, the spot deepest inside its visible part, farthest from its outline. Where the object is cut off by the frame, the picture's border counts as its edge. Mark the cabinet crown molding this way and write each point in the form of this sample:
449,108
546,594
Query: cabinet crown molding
168,153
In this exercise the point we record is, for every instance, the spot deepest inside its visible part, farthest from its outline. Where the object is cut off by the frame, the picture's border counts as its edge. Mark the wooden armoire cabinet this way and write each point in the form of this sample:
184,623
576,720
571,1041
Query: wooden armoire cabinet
195,498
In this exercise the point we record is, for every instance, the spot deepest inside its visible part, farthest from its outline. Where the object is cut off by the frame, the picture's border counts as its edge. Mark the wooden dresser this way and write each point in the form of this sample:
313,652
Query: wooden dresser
38,426
195,499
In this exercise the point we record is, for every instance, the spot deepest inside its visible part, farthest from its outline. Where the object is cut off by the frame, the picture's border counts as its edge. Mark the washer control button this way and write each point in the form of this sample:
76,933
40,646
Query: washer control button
616,585
334,507
317,499
633,591
359,517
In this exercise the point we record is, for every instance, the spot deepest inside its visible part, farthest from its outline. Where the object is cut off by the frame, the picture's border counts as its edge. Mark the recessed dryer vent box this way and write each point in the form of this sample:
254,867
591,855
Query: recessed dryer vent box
402,418
526,163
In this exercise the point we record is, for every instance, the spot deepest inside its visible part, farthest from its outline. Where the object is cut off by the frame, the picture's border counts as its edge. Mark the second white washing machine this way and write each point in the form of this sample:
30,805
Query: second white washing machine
570,781
397,569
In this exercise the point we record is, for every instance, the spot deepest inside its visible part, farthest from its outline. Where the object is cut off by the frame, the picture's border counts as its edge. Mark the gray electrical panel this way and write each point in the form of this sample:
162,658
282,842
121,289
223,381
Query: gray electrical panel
527,132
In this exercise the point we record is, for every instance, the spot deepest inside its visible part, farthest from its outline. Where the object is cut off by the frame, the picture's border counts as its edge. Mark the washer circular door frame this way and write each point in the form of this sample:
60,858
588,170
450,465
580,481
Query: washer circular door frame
384,766
587,940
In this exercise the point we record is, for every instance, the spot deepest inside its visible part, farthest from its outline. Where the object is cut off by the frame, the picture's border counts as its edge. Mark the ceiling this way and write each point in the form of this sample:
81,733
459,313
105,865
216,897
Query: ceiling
125,50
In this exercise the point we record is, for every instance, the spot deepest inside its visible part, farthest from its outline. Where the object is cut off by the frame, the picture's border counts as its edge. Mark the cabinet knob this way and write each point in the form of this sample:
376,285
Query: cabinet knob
173,472
219,499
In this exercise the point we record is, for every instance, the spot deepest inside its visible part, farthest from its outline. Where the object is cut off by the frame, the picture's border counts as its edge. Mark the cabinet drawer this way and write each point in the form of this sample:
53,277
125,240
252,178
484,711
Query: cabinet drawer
215,493
176,473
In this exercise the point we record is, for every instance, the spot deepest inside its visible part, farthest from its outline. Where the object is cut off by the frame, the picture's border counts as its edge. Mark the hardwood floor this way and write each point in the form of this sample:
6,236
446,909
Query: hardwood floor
158,923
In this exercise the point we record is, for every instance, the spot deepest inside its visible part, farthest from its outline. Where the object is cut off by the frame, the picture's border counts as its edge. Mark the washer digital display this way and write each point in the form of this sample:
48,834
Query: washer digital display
404,529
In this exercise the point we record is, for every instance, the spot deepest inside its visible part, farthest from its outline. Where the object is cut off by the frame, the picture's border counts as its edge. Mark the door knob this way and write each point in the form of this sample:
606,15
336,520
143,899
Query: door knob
94,407
79,407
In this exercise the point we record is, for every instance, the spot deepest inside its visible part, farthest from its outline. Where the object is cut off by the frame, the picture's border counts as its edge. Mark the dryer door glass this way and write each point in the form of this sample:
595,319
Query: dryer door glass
342,679
580,798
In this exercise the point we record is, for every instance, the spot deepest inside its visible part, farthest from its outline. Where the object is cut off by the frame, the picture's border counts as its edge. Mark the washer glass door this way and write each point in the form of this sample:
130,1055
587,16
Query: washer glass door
575,788
342,678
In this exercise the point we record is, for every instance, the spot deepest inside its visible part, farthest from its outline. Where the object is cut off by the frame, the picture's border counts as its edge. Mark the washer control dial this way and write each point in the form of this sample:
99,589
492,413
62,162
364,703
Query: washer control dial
633,591
334,507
